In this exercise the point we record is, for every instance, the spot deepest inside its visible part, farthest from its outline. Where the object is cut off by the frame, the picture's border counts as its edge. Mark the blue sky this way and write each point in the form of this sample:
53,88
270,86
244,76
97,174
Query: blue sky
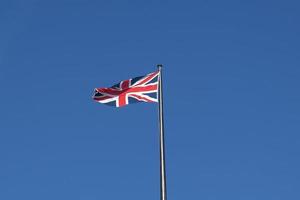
231,85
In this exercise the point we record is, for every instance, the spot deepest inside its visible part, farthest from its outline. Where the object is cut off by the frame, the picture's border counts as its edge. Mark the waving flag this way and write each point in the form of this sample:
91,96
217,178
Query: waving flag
139,89
146,88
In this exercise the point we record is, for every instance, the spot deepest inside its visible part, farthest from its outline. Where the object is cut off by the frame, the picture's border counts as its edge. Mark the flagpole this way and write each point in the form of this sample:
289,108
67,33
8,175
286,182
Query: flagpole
163,188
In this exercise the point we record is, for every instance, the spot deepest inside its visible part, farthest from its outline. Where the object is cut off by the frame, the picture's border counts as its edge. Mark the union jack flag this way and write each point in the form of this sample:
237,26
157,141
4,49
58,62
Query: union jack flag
139,89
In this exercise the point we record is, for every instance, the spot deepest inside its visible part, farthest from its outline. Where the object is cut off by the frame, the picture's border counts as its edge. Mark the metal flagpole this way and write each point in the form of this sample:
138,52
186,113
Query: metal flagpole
163,189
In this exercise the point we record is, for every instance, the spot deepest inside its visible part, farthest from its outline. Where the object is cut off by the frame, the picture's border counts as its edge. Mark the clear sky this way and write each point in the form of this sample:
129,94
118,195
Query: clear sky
231,85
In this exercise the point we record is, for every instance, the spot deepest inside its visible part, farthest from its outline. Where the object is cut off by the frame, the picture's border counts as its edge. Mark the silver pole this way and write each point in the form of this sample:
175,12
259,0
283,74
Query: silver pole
163,189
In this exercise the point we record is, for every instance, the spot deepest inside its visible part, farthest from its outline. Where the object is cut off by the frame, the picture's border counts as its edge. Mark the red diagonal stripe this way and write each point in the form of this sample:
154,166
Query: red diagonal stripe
148,78
141,98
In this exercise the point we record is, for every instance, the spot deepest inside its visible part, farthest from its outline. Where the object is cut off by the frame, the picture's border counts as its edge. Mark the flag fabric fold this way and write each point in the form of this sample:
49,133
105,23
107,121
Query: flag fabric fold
134,90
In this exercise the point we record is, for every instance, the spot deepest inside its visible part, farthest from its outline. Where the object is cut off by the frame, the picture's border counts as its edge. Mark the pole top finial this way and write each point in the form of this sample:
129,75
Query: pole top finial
159,65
